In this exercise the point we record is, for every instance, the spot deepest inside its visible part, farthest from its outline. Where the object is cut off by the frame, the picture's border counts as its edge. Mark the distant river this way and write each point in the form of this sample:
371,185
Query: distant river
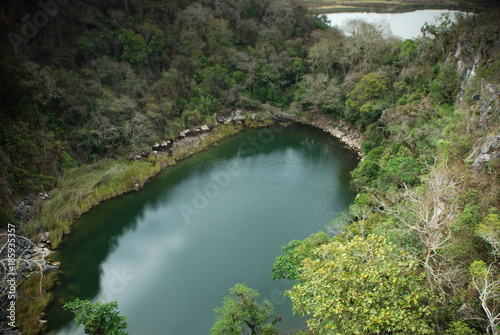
169,253
403,25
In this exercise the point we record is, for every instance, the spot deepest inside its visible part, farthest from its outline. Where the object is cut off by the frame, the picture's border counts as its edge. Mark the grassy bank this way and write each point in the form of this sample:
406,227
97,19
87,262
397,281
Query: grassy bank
378,6
84,187
34,296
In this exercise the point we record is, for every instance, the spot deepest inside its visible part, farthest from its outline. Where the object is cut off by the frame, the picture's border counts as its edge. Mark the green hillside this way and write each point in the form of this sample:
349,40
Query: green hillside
88,85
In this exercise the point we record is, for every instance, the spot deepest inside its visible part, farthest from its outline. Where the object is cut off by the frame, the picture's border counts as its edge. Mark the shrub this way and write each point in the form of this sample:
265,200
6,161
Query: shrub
5,218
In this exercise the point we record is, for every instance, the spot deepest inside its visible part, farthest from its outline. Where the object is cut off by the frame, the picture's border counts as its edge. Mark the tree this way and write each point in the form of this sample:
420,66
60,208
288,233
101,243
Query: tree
98,318
286,266
446,86
402,170
318,90
489,230
460,328
365,98
365,174
323,55
408,51
366,44
427,212
241,314
486,281
137,48
363,286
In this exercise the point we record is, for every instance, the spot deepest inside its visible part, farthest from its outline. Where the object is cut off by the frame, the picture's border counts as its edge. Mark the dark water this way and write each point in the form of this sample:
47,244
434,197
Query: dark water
169,253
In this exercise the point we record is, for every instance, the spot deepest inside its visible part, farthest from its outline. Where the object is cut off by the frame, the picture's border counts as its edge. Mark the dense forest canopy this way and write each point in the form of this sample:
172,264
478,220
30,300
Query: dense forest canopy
108,78
98,81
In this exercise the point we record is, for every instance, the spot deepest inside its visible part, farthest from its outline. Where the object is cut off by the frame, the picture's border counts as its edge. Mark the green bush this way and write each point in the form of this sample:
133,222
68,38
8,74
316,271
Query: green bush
365,174
5,218
98,317
375,154
85,50
402,170
445,87
367,146
67,162
460,328
365,102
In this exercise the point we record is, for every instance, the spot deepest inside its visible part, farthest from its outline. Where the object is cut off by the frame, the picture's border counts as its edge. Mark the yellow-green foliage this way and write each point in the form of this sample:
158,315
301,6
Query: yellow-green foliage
221,132
362,286
489,230
258,122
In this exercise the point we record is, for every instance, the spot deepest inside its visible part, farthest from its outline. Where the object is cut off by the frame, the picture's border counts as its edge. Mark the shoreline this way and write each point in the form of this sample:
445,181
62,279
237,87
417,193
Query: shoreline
340,129
387,7
192,141
167,153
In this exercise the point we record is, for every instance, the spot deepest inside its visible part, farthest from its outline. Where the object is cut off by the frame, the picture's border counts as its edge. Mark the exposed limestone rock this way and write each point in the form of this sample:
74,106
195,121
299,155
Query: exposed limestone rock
30,260
190,138
236,115
468,58
23,210
337,128
181,147
487,104
184,133
486,151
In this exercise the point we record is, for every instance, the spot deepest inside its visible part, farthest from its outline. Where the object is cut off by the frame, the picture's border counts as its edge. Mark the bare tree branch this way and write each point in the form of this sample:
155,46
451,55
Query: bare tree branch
428,211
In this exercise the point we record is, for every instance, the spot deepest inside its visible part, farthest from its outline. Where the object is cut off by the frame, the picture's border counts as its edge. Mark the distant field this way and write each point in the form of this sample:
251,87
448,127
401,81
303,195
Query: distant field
333,6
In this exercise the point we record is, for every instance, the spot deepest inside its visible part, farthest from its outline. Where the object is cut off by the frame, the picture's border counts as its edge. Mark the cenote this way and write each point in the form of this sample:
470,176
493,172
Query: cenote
169,253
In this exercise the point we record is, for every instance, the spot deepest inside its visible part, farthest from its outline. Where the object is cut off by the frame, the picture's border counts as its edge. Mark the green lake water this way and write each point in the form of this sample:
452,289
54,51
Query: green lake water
169,253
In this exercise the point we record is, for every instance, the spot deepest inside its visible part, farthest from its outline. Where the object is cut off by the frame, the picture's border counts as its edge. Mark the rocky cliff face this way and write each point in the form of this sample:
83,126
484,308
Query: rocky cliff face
477,47
486,153
468,60
476,54
180,147
488,106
